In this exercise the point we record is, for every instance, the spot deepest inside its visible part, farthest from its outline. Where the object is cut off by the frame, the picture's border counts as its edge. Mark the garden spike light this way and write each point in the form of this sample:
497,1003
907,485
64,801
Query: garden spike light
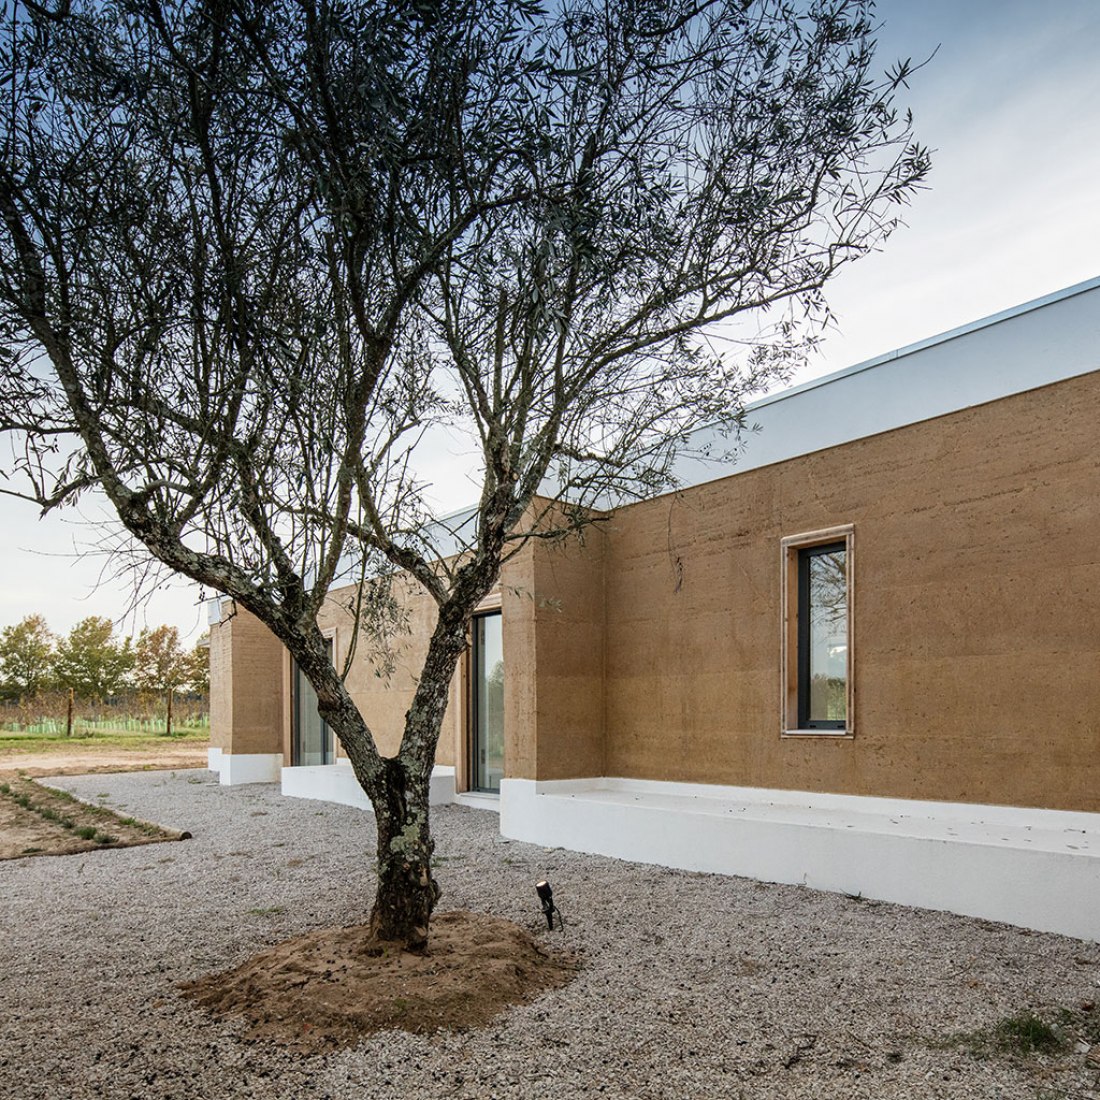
546,896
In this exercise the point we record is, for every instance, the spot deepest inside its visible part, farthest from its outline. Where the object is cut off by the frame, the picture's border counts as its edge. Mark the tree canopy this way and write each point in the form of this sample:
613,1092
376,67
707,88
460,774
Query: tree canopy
91,662
253,252
160,663
26,658
95,662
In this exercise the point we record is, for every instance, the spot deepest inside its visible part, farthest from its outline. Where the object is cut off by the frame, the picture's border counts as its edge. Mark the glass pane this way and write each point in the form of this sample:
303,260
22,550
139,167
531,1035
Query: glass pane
828,648
488,739
313,741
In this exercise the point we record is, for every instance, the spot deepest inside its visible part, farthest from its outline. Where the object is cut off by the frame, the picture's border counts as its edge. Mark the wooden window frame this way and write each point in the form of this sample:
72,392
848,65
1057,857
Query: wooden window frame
789,573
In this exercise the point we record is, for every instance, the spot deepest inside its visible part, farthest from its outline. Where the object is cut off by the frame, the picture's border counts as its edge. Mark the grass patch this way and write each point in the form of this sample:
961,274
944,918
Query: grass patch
1027,1034
68,821
1024,1034
48,813
29,742
15,742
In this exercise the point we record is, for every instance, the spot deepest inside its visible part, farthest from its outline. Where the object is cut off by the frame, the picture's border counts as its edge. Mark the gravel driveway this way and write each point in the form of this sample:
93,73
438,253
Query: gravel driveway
694,985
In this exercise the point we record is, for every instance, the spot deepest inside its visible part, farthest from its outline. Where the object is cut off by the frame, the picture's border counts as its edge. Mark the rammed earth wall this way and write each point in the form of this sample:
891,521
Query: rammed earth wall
654,650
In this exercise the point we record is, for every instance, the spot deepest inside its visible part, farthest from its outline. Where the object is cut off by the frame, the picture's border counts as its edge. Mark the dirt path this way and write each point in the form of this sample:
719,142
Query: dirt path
91,761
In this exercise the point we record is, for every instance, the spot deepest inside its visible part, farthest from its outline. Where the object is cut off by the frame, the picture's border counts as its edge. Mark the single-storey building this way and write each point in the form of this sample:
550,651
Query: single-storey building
865,658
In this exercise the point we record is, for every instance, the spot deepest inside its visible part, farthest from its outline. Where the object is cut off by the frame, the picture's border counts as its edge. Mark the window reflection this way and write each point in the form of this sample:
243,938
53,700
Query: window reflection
825,648
488,703
313,742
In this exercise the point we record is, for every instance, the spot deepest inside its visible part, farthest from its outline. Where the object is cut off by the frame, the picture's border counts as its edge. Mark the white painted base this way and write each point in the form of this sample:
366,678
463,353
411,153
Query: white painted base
479,800
337,783
214,760
1035,868
236,768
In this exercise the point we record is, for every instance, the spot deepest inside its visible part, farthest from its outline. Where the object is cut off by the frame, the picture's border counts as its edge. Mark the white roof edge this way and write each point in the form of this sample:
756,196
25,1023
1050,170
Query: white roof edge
708,471
464,512
928,342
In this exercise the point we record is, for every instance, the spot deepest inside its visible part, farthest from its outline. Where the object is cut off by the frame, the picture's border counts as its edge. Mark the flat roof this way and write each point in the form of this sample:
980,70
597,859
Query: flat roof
1030,345
928,342
1027,346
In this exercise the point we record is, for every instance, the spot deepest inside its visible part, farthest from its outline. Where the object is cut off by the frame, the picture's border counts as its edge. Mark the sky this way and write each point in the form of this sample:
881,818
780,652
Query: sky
1010,106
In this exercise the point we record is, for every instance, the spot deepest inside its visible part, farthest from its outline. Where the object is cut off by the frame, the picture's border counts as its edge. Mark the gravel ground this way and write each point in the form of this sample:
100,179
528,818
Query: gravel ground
693,986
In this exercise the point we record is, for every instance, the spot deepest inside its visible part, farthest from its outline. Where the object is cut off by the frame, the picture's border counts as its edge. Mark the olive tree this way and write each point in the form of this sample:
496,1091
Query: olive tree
252,252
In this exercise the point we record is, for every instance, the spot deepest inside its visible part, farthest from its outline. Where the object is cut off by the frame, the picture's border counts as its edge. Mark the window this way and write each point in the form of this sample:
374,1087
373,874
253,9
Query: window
487,704
817,632
311,739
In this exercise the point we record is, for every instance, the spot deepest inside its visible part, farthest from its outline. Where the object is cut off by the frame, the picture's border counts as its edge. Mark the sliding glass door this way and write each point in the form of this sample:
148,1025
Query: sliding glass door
487,704
311,739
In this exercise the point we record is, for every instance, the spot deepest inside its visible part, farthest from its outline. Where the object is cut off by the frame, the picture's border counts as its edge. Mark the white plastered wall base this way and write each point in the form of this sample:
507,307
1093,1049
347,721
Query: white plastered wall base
236,768
337,783
1035,868
214,760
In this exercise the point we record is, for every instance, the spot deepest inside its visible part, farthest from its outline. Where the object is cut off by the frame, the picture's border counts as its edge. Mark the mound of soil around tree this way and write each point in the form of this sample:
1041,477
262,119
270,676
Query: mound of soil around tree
334,987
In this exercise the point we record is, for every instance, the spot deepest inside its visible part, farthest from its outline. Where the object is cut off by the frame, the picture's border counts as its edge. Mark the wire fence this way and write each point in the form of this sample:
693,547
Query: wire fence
56,727
20,721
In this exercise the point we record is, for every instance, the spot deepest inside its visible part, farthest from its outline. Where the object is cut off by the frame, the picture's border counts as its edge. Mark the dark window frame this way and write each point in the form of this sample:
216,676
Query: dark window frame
805,555
791,666
473,714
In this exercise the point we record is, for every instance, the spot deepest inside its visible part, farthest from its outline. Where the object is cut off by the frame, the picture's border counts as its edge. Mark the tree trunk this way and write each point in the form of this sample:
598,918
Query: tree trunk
407,892
398,787
168,720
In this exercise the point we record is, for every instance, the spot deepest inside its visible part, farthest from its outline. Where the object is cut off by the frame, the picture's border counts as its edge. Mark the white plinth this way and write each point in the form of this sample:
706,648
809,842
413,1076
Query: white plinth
337,783
1035,868
235,768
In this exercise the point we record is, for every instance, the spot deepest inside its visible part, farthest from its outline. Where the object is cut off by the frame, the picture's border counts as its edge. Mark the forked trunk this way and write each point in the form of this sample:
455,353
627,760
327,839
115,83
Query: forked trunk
399,786
407,892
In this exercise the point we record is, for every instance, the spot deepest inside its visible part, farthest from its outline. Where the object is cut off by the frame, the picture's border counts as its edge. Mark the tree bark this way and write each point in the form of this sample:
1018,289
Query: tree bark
407,892
399,787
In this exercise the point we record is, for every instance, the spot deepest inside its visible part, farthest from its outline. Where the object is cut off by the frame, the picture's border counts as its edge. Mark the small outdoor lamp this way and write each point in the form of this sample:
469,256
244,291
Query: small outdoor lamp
546,897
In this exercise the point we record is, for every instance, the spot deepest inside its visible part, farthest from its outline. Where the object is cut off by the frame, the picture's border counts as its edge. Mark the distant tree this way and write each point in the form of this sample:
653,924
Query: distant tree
198,667
26,656
91,661
161,664
251,252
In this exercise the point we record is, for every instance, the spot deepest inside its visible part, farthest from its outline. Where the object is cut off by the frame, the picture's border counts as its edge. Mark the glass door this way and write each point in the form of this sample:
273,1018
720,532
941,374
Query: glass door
487,704
311,741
